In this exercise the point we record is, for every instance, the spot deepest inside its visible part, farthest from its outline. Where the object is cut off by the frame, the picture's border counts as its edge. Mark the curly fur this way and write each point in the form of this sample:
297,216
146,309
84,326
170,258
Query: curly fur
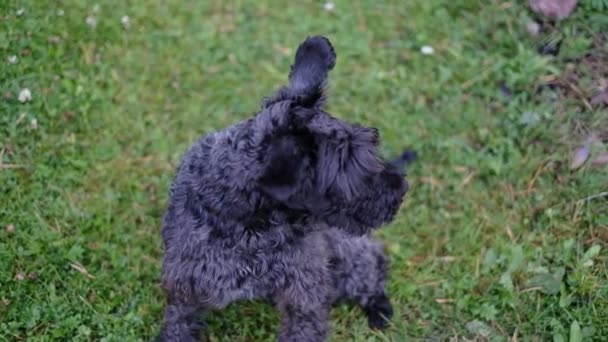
279,206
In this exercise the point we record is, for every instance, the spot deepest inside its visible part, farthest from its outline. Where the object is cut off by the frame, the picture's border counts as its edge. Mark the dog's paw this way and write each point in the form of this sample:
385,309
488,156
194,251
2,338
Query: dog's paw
379,312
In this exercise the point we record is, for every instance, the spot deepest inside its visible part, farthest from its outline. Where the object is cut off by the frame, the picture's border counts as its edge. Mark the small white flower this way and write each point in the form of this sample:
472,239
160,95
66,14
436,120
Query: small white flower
91,21
533,28
12,59
60,13
329,6
125,21
34,123
96,8
427,50
25,95
20,12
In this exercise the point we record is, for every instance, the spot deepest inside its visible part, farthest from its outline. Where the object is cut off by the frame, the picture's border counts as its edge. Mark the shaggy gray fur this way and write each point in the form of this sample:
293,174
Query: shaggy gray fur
280,206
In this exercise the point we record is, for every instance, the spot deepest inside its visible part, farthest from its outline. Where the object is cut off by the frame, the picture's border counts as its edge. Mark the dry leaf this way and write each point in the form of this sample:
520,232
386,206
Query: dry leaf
600,160
580,157
600,99
554,9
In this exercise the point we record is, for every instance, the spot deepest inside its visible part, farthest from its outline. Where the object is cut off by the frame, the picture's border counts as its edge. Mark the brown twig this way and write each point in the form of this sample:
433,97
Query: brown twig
444,300
532,181
510,233
12,166
580,94
514,337
78,267
592,197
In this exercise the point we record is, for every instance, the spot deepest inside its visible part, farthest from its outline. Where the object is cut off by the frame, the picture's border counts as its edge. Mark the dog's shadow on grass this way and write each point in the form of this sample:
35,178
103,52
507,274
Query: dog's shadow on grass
253,319
259,321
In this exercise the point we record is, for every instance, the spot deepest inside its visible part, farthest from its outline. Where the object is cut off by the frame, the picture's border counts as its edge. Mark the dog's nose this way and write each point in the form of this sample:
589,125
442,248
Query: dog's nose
405,159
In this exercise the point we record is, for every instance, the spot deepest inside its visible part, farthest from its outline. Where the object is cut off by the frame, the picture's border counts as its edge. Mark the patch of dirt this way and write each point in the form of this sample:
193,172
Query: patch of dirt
584,81
580,93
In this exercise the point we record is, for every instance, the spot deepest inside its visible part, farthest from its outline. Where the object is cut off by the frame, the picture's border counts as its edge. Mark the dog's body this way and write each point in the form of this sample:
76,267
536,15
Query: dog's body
279,207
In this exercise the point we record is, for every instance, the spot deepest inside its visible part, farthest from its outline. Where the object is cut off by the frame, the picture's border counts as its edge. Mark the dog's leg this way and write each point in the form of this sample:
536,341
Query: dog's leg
379,311
304,312
306,294
181,322
360,270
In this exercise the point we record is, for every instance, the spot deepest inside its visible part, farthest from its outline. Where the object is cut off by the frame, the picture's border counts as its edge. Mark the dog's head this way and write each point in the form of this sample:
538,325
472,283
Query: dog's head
327,167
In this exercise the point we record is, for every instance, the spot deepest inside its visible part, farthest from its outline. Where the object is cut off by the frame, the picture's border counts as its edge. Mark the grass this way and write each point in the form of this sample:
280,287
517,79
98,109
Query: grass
497,237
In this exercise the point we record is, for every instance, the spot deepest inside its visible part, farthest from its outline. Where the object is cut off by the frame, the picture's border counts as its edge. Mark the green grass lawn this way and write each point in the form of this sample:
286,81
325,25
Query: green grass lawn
498,238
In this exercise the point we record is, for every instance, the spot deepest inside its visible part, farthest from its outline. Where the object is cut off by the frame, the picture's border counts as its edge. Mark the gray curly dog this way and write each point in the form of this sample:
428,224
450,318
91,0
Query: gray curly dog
280,206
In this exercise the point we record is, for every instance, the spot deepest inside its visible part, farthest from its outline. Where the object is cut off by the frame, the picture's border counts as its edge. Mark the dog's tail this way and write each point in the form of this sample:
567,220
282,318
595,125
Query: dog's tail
314,59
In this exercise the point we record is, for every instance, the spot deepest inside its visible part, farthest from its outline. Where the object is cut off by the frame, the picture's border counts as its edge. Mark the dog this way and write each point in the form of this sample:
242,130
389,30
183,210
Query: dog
280,206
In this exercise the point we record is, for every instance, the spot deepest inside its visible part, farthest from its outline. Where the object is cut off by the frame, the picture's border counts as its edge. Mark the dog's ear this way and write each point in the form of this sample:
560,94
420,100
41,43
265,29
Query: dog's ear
286,163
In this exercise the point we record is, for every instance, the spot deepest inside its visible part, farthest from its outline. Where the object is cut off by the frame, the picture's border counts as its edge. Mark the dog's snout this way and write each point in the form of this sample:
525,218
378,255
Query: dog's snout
393,178
395,181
